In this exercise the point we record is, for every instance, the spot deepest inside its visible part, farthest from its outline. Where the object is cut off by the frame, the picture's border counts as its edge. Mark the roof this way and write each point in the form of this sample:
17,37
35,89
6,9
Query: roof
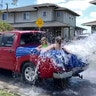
21,9
45,5
79,28
35,8
93,2
66,9
30,7
89,23
46,24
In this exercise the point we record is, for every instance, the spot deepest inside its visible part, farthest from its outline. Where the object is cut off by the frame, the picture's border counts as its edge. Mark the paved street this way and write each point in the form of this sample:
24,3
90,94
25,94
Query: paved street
76,86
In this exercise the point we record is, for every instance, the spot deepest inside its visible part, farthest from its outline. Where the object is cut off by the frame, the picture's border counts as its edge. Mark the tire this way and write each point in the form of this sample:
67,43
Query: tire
29,74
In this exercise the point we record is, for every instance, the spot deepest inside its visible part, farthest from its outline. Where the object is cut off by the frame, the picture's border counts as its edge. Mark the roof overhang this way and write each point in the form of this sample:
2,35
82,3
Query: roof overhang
30,7
89,23
46,24
20,9
66,9
79,28
93,2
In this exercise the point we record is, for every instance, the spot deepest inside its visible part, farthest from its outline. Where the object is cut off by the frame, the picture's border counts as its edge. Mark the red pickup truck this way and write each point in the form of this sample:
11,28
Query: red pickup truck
10,41
26,64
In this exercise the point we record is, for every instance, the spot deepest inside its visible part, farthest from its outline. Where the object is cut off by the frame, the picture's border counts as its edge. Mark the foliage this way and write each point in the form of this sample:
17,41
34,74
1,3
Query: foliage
5,93
5,26
0,12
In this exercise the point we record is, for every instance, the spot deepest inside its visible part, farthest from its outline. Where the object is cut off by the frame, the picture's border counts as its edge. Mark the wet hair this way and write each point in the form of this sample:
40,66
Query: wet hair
58,39
43,39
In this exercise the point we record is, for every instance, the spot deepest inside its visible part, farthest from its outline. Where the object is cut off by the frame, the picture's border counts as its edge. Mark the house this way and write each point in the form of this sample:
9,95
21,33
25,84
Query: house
79,30
92,23
57,20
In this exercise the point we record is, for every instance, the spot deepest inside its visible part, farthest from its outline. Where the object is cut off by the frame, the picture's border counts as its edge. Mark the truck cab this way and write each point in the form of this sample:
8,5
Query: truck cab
10,41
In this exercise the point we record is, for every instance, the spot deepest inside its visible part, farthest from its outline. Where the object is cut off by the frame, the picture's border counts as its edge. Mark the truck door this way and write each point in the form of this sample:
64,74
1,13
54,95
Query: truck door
7,51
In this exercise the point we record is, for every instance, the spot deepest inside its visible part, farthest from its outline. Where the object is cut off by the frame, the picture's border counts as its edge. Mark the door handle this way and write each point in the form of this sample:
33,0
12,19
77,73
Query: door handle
10,51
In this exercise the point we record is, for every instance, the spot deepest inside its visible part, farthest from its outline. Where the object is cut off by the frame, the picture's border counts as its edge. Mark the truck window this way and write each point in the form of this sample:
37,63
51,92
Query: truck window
7,40
30,38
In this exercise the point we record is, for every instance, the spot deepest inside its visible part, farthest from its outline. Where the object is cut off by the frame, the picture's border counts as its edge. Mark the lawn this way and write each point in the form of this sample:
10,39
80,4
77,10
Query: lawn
6,93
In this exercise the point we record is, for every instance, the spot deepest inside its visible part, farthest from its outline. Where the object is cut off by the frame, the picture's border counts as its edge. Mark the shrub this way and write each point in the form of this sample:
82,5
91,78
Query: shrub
4,26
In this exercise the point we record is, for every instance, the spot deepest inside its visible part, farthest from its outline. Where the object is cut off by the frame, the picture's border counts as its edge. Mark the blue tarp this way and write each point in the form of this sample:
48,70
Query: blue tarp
23,51
59,56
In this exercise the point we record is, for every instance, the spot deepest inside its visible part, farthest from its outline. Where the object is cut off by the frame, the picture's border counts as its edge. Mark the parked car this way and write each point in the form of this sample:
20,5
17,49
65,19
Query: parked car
18,54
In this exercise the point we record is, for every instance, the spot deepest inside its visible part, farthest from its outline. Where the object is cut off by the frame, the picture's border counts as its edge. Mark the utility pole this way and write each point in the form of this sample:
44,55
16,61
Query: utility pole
6,7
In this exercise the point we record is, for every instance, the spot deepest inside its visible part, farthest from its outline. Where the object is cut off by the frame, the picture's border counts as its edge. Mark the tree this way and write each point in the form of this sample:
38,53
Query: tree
0,12
14,2
4,26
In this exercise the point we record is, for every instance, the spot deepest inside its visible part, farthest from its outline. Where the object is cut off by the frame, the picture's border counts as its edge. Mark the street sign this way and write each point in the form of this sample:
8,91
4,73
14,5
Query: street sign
39,22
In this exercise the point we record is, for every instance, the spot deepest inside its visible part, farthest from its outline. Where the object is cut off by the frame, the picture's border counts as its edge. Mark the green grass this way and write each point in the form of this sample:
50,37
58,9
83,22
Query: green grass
6,93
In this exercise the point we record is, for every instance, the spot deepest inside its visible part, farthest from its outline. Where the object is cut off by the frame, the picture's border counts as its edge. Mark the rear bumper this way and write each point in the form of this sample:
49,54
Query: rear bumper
74,71
62,75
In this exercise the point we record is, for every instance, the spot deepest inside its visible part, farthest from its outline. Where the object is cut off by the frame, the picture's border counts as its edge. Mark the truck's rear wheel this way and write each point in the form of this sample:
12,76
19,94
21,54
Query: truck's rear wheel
29,74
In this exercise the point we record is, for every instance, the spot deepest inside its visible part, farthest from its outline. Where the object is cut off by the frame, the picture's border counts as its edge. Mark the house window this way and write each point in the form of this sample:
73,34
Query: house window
44,13
69,17
5,16
58,14
26,15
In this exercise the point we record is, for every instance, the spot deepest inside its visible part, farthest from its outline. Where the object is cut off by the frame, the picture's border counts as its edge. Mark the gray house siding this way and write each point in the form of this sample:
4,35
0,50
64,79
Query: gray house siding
19,17
49,14
69,19
59,16
10,18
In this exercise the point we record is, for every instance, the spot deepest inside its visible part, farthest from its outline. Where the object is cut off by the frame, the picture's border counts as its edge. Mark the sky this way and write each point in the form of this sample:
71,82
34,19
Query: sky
86,10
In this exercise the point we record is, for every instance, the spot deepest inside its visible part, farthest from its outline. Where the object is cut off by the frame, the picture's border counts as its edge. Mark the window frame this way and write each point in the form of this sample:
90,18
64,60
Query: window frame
58,13
26,16
44,13
4,16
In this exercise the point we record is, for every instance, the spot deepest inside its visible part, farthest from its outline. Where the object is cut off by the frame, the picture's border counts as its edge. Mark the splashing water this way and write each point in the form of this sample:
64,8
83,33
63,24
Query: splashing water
85,49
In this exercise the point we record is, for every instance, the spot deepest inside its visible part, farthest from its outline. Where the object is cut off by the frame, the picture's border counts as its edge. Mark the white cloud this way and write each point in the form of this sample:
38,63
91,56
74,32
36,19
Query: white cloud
81,20
71,4
50,1
77,4
93,14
